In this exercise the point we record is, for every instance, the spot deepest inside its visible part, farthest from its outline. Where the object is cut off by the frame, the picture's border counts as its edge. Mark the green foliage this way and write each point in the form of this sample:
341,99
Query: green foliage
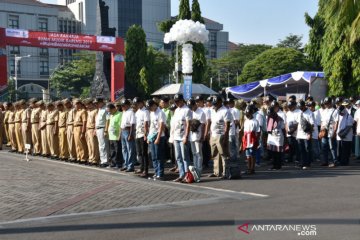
199,62
233,62
274,62
136,50
196,12
291,41
158,67
184,10
165,26
11,89
85,93
74,75
144,80
334,41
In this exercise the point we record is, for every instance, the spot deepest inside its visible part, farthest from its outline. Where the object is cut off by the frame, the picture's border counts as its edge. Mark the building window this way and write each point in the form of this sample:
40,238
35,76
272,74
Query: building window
61,26
44,52
14,50
13,21
44,68
12,67
43,24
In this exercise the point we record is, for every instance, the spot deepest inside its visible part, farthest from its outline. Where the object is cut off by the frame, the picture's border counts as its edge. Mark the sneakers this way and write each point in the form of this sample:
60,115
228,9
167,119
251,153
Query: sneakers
305,168
179,179
331,165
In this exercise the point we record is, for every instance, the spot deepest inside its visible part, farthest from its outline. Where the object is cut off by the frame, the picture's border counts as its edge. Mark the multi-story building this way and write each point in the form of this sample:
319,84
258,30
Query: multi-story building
33,70
123,14
218,39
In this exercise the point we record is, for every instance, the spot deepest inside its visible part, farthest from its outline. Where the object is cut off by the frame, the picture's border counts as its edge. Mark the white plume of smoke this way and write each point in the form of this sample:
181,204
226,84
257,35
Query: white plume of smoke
187,59
187,30
184,31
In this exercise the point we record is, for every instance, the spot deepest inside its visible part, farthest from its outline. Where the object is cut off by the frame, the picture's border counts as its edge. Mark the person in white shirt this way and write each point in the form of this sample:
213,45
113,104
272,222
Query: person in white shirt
315,133
156,138
142,117
219,141
101,122
304,134
234,130
260,117
357,132
197,128
344,135
291,131
329,119
251,138
206,144
182,117
127,126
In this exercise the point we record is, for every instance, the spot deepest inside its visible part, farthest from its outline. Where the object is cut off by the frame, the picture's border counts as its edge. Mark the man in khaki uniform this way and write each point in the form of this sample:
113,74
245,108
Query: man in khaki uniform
70,130
52,130
79,132
45,150
11,124
35,128
91,138
19,138
2,127
25,122
64,153
6,124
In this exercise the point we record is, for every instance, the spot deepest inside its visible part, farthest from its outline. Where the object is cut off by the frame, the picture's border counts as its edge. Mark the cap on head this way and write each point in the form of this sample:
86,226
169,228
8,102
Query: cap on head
338,100
178,97
301,104
173,107
137,100
346,102
199,98
150,103
32,100
216,99
190,103
125,102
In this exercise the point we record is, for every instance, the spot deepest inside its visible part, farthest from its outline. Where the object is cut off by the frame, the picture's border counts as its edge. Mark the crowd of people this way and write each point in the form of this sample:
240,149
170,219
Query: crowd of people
130,134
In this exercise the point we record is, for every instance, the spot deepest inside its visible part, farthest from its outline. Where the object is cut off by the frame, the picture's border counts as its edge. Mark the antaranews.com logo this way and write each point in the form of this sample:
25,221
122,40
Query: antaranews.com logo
299,229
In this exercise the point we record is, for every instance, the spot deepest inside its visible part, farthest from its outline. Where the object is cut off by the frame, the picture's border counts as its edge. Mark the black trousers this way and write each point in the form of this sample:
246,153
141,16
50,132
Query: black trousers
206,149
142,154
294,151
115,153
344,152
276,157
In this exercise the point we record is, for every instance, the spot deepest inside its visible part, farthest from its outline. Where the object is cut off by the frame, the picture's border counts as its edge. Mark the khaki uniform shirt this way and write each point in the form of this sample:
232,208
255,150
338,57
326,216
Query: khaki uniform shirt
11,117
6,117
18,115
52,117
80,117
62,118
90,123
25,115
70,117
35,115
43,117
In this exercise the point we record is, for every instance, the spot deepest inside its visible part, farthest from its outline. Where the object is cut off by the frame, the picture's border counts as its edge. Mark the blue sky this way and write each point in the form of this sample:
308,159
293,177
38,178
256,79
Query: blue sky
256,21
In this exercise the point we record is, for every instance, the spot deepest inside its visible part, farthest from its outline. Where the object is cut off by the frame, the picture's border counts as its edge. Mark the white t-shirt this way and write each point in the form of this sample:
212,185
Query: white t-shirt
357,119
345,121
156,118
325,119
251,125
282,115
259,116
235,116
198,115
218,120
181,115
309,116
291,118
142,116
128,119
276,138
207,112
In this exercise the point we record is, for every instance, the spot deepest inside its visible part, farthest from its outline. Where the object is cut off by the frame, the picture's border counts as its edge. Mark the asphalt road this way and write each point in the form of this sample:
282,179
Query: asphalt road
44,199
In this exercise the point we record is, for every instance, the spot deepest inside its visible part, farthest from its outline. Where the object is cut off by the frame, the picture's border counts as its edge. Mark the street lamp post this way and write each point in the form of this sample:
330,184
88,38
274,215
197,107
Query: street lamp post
17,60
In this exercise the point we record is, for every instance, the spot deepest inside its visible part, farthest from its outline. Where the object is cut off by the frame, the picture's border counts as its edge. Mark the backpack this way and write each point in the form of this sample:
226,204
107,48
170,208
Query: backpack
305,125
189,178
233,171
196,174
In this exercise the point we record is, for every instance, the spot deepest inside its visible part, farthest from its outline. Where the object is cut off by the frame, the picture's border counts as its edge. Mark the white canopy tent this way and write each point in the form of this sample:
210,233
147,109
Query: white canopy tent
172,89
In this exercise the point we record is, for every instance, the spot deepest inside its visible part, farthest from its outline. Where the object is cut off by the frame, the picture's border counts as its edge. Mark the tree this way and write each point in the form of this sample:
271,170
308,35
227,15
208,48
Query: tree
338,49
291,41
234,62
184,10
74,76
196,12
136,51
274,62
316,34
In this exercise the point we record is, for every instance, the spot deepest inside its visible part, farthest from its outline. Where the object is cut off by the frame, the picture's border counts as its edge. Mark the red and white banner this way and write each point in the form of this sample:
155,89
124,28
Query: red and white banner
62,40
